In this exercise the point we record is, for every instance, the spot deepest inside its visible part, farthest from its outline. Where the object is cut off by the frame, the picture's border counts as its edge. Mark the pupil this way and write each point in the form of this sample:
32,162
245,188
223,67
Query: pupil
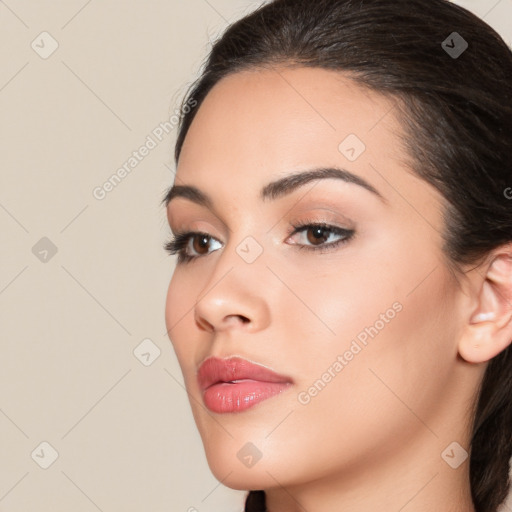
318,234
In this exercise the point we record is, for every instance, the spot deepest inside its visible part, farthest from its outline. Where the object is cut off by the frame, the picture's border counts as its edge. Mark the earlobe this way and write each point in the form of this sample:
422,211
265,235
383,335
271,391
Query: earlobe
489,328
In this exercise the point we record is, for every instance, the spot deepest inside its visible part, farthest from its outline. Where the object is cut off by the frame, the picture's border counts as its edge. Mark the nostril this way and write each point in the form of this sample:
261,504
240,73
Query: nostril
238,318
204,325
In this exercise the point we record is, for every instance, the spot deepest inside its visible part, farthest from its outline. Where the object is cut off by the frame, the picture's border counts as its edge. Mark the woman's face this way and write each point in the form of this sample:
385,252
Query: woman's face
364,322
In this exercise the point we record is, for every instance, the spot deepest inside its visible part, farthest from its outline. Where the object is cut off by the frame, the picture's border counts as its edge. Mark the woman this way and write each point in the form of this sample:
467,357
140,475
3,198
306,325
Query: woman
342,303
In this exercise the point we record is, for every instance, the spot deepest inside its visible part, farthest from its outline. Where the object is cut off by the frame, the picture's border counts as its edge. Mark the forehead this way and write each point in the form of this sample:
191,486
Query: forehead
257,124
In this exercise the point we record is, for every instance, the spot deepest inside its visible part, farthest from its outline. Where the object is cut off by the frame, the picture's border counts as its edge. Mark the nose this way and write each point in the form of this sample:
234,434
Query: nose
236,297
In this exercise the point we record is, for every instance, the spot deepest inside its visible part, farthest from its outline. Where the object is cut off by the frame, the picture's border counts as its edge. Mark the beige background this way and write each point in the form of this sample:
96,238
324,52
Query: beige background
70,321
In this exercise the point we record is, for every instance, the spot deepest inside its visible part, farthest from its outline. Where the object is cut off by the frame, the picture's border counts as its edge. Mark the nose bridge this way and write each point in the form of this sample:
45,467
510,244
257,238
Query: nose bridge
241,262
237,287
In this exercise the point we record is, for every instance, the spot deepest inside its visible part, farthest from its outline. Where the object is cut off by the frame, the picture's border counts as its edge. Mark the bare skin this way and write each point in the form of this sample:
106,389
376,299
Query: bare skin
375,436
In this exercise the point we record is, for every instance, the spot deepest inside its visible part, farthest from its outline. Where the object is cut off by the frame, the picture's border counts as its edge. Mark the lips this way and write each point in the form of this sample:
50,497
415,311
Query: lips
235,384
215,370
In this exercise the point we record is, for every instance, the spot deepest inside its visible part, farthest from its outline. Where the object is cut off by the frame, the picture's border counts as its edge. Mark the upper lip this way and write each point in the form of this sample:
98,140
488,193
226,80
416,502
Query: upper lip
214,370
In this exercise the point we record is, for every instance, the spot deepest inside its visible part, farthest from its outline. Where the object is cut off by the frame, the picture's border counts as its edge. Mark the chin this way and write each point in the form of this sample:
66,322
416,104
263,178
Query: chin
235,469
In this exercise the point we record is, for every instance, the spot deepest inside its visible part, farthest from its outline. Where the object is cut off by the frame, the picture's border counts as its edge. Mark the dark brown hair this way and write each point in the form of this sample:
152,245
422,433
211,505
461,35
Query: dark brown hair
456,109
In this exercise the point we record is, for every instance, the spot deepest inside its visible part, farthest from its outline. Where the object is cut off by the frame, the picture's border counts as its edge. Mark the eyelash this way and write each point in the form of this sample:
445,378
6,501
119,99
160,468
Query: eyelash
177,244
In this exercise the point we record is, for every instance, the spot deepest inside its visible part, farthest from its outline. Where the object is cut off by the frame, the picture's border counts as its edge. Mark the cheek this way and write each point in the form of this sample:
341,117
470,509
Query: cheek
386,280
390,320
394,332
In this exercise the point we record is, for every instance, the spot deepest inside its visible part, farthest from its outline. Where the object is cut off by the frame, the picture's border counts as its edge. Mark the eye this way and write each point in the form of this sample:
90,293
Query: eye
192,241
315,235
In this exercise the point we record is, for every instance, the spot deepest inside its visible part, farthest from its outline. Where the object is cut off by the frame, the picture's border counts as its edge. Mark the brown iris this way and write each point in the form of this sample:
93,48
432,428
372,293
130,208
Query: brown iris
317,235
200,242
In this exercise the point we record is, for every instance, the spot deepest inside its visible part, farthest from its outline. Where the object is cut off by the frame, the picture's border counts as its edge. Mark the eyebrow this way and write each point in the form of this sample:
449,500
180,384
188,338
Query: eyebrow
275,189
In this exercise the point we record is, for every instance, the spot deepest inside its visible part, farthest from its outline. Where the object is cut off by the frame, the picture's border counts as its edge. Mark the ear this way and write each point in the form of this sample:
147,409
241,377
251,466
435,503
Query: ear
489,328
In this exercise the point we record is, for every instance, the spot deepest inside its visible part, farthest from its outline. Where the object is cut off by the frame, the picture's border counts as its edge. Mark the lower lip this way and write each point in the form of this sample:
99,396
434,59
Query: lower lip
238,396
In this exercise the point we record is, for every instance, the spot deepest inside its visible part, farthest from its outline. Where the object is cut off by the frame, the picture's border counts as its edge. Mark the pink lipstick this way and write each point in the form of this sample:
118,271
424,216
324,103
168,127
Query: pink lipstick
236,384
